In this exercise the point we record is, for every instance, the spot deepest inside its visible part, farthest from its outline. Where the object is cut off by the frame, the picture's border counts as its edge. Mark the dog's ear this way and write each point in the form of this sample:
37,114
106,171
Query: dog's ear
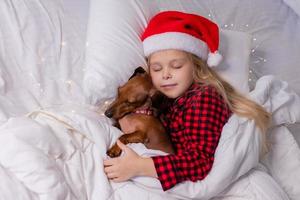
139,70
153,92
157,98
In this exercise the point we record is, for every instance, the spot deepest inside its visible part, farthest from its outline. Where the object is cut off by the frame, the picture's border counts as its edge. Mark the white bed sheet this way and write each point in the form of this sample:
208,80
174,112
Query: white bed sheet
42,62
41,54
42,46
58,154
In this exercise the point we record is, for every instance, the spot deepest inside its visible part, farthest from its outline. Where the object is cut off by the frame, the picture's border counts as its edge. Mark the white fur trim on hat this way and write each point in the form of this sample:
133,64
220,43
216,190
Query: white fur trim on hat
214,59
175,40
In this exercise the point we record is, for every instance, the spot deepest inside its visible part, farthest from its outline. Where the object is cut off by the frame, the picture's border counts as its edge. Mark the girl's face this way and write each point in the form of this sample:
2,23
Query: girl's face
171,72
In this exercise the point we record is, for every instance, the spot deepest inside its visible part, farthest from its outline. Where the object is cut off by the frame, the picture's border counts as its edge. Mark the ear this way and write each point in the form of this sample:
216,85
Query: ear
137,71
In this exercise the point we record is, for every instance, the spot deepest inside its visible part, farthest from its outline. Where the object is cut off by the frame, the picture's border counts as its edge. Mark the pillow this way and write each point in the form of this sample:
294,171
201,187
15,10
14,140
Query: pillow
114,48
235,47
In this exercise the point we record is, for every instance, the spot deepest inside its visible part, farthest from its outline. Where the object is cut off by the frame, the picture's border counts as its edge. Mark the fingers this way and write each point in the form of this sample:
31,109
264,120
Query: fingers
112,176
117,180
110,162
109,169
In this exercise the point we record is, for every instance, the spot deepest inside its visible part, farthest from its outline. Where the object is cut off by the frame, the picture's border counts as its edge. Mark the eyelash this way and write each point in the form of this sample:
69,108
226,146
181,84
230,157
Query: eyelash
159,69
156,69
177,66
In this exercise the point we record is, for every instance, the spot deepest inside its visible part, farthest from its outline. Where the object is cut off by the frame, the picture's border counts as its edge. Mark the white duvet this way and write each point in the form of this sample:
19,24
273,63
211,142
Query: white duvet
58,154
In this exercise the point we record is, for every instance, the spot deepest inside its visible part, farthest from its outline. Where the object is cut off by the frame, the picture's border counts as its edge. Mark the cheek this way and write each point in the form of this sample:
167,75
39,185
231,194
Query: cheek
154,78
186,75
189,74
155,82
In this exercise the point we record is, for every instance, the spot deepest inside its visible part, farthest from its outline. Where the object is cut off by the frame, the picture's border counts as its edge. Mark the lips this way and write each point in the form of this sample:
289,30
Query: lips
168,86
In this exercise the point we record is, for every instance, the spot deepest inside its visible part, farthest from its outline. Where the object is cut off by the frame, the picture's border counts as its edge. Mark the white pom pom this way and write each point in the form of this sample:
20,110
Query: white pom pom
214,59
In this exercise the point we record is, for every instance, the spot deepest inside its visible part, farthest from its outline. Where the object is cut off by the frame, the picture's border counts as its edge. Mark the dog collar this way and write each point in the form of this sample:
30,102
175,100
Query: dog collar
144,111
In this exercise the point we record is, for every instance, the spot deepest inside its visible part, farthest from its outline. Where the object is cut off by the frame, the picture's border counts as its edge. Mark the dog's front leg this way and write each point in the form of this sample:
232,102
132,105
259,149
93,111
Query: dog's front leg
135,137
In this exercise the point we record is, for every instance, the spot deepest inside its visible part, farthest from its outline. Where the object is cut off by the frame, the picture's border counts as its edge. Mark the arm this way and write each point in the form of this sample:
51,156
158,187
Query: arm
128,165
203,121
193,163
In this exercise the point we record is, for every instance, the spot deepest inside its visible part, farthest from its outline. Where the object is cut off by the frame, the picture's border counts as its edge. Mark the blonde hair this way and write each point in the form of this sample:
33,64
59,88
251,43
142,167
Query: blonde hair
237,103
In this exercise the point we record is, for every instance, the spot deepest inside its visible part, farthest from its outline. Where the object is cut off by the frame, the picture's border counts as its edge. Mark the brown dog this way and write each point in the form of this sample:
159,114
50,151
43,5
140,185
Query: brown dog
134,102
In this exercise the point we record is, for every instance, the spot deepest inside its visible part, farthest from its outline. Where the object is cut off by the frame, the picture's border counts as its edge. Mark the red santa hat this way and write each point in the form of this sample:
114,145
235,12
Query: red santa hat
182,31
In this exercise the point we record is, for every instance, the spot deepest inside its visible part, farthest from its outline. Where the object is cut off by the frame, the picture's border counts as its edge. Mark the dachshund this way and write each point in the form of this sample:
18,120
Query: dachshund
134,102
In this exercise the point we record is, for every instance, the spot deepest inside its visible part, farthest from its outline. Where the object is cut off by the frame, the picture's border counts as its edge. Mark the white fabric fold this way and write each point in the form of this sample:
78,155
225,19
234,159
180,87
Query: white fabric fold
294,4
240,144
58,154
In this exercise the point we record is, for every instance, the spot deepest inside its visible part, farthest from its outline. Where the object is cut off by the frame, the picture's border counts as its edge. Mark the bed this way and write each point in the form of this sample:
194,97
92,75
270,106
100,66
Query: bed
61,62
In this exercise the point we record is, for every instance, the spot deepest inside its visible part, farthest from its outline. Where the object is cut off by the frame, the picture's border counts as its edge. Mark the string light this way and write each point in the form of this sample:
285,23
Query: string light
69,84
255,62
103,107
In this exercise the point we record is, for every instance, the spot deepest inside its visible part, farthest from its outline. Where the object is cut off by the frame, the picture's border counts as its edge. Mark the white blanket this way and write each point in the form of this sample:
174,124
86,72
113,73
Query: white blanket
42,48
58,154
294,4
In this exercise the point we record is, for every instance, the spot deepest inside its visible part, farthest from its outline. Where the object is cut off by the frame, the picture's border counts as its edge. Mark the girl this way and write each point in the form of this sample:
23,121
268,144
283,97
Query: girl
199,101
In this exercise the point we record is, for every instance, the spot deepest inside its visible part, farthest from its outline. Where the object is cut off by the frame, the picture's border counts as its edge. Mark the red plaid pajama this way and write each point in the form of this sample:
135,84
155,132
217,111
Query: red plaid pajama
194,122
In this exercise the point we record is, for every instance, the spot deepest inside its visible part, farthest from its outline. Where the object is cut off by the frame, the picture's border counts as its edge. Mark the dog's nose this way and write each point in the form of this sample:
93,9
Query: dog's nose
108,113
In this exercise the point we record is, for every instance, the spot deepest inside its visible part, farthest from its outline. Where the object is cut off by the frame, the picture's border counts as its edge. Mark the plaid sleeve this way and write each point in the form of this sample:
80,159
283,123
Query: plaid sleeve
203,121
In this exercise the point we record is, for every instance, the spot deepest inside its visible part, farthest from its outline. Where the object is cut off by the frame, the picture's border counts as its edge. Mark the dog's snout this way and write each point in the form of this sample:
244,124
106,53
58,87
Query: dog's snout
109,113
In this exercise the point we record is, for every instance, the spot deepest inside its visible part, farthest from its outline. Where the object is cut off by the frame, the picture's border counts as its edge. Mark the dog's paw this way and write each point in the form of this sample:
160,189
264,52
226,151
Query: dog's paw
114,151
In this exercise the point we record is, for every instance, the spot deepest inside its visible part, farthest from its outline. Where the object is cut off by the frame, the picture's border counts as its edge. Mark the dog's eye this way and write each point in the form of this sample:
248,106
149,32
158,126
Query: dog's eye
130,101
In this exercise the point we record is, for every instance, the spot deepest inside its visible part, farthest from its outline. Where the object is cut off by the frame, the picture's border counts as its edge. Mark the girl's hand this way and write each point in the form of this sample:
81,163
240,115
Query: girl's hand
124,167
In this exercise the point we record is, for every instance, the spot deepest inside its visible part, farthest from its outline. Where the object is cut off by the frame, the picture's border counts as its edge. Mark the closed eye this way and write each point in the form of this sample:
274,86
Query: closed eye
155,68
176,66
129,101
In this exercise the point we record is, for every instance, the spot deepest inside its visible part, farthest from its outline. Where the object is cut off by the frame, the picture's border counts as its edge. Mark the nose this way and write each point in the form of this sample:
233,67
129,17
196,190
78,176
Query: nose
166,74
109,113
